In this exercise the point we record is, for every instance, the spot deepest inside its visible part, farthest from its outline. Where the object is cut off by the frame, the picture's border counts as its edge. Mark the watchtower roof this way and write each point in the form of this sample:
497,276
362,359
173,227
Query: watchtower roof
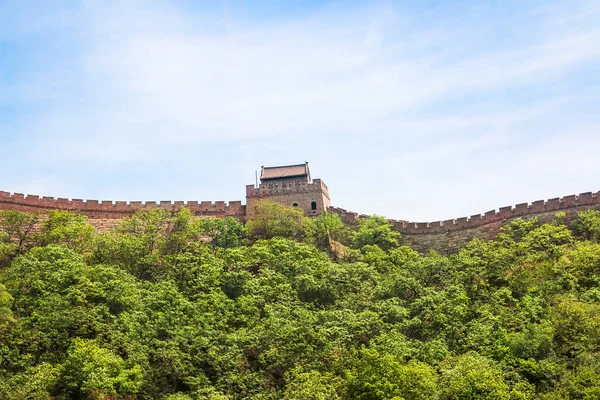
285,171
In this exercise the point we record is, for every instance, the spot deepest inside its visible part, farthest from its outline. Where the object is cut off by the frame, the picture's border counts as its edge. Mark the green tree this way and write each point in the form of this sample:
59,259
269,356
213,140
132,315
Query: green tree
68,228
312,385
576,325
549,238
328,230
382,376
271,220
136,243
587,225
376,230
6,317
472,377
8,249
223,233
35,383
170,306
19,226
96,372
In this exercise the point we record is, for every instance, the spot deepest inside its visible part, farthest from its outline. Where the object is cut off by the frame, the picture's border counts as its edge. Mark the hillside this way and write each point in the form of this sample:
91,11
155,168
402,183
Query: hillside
168,306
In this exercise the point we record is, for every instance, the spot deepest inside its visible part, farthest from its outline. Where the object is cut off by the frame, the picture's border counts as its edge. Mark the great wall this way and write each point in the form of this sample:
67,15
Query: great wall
105,214
448,236
297,189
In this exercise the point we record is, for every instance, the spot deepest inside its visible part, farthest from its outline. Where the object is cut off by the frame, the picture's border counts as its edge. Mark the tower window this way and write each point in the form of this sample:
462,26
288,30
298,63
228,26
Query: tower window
313,205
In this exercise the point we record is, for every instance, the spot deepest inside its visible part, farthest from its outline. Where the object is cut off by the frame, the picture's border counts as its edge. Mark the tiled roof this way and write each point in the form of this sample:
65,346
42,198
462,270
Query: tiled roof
286,171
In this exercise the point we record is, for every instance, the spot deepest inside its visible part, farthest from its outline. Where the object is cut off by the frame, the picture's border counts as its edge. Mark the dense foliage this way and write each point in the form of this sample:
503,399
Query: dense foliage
173,307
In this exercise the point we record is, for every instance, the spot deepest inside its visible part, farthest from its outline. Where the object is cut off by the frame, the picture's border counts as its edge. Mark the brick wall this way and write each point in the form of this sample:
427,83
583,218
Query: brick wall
290,192
442,236
105,214
448,236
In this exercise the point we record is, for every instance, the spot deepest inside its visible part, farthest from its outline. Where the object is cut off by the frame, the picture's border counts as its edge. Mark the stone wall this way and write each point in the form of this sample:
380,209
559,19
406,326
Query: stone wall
290,192
105,214
448,236
443,236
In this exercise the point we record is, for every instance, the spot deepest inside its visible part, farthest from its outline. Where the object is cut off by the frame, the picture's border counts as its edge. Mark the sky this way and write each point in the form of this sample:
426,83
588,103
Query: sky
416,110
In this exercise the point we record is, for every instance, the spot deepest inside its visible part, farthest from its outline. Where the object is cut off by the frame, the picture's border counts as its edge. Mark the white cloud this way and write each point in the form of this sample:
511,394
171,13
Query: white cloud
182,84
448,108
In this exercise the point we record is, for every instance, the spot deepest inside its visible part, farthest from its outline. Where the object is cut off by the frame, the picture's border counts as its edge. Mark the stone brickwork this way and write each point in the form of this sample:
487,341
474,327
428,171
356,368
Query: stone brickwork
290,185
291,192
105,214
313,198
448,236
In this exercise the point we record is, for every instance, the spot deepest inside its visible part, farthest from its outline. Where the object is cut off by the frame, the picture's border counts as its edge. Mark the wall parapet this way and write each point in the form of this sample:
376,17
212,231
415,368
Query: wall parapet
444,236
262,190
116,209
583,200
319,185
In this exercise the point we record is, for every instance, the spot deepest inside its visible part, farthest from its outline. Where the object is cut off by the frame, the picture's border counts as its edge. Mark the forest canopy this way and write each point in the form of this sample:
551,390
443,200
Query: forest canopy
170,306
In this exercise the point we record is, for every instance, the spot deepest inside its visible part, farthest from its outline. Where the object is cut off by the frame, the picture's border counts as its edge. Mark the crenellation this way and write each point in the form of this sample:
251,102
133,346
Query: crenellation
538,206
461,222
569,200
290,185
106,213
553,204
298,190
448,223
521,209
586,198
505,212
397,225
449,235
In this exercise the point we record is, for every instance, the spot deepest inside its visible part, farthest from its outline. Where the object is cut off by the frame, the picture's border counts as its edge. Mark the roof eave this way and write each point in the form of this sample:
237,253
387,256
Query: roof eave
284,177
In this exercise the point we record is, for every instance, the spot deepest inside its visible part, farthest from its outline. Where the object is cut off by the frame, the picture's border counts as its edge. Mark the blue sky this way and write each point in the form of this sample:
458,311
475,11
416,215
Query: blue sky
417,110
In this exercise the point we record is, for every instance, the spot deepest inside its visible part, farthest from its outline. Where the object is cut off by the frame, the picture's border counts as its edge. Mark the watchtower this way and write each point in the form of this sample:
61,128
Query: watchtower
290,185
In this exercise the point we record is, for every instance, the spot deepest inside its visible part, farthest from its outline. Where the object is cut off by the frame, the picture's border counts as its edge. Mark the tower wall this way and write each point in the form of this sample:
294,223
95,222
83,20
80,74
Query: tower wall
290,192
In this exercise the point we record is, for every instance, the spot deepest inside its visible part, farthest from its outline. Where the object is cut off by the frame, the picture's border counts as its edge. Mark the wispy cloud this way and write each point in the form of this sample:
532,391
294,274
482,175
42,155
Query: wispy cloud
160,81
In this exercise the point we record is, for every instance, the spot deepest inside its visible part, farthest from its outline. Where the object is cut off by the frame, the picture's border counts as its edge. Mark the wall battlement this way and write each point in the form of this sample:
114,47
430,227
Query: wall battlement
290,185
108,209
313,197
449,235
504,213
263,190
